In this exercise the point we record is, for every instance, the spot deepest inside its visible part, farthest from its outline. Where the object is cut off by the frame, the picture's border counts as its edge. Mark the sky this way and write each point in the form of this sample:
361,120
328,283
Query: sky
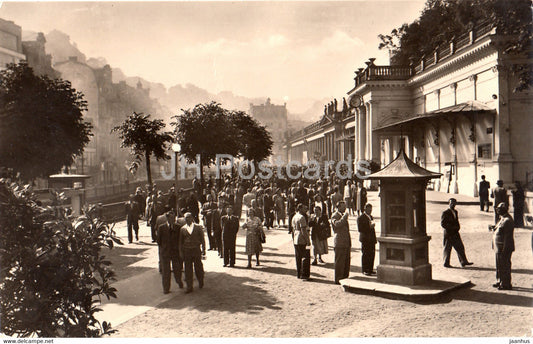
286,50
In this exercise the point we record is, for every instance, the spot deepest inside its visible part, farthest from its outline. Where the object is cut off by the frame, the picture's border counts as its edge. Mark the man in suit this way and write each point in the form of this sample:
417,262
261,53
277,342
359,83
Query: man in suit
133,212
504,246
168,235
367,237
268,208
342,242
217,229
192,248
499,193
230,227
484,187
450,222
208,211
291,207
302,243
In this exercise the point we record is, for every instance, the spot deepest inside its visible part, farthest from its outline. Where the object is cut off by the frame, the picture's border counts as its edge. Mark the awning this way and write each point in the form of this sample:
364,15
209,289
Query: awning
469,107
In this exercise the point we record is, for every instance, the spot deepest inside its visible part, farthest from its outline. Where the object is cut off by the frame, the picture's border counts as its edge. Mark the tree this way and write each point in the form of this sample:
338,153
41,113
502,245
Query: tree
207,131
52,271
442,20
142,135
41,123
255,142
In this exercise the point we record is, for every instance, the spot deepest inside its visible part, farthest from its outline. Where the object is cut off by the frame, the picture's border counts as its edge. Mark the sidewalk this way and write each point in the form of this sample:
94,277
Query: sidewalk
260,302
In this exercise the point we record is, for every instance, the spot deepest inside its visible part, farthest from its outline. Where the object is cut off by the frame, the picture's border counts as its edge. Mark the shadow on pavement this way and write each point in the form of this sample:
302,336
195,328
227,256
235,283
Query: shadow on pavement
225,292
503,297
122,257
286,271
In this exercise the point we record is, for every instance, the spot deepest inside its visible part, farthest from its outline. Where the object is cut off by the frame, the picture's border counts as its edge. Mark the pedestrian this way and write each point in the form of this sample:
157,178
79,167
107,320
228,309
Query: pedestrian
141,200
208,211
302,243
336,197
499,193
342,242
348,195
367,237
133,212
291,206
279,208
450,222
172,199
230,227
503,242
320,232
254,235
484,187
361,198
518,205
192,250
217,229
168,236
268,208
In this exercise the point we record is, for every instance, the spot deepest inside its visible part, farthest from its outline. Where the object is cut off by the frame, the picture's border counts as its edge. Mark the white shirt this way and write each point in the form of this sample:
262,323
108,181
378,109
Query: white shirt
189,228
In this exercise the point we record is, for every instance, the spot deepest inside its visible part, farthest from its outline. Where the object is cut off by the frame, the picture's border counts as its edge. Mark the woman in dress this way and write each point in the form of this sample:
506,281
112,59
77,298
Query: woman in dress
320,232
254,230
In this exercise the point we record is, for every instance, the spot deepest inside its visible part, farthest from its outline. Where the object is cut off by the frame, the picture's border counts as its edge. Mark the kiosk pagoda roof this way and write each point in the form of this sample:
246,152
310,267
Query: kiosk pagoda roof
403,167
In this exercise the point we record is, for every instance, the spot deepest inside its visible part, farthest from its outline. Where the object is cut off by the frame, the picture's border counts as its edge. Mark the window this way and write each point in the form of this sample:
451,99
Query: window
484,151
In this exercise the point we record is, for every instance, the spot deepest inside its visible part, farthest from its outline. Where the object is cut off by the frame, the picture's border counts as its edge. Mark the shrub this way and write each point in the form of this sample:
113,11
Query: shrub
52,274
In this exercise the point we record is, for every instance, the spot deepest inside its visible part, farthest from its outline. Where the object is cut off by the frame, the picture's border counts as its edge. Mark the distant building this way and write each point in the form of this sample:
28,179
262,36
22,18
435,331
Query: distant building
10,43
108,104
37,58
274,118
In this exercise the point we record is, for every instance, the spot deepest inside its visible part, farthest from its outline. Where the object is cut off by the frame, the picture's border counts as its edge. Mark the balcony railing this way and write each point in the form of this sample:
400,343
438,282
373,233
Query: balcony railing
374,72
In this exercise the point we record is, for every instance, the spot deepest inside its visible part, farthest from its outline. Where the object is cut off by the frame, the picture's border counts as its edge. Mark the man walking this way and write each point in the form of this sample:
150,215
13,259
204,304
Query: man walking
342,242
302,243
133,212
168,235
192,248
208,211
504,247
484,187
367,237
450,222
230,227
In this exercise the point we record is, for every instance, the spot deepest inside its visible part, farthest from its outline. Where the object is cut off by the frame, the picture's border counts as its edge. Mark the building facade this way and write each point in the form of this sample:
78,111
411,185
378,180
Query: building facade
274,118
108,105
454,113
10,43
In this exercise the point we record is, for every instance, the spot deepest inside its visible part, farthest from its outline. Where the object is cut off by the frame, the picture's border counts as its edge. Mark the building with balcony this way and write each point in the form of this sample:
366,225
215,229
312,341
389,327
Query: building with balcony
453,112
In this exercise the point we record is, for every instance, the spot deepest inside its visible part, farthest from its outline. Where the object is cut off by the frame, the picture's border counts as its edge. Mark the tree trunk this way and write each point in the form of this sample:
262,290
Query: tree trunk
148,169
201,178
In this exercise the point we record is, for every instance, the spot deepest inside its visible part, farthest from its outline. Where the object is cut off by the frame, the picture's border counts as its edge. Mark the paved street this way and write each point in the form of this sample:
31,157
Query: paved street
269,301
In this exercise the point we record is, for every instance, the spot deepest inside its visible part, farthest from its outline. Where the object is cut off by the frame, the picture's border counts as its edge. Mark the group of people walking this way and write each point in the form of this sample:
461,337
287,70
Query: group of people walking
314,211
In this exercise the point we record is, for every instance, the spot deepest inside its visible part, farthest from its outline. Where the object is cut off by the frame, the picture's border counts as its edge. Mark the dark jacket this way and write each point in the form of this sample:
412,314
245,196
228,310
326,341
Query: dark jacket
367,232
320,227
168,236
450,223
230,227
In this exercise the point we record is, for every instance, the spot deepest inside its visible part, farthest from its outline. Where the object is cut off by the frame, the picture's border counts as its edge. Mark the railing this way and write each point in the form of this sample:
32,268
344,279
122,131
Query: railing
479,31
374,72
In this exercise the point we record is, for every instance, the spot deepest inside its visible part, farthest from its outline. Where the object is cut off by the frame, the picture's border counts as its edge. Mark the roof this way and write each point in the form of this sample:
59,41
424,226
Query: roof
403,167
69,176
472,106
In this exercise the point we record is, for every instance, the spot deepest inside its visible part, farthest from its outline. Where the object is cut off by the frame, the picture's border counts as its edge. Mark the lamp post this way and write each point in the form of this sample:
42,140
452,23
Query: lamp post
176,148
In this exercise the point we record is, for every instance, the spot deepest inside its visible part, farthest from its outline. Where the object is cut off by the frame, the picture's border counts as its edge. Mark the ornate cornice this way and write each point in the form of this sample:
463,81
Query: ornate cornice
454,62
